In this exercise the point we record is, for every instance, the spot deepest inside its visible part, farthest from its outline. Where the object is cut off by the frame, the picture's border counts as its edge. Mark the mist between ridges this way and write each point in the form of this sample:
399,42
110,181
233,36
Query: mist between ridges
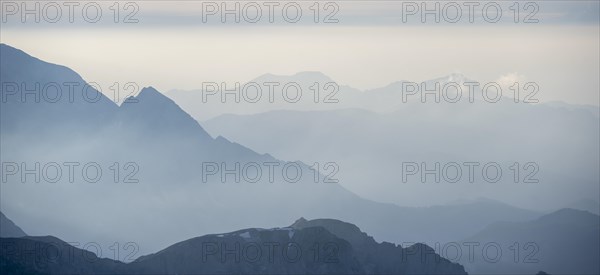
470,172
269,171
269,92
129,172
92,92
69,172
411,172
67,92
329,92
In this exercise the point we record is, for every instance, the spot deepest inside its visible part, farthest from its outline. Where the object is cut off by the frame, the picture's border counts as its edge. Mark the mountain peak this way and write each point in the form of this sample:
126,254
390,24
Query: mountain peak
152,110
299,77
148,93
344,230
299,222
312,76
315,74
149,96
149,89
454,77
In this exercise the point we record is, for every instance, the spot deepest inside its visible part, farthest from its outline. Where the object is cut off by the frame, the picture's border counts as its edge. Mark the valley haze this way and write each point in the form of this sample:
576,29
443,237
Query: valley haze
300,137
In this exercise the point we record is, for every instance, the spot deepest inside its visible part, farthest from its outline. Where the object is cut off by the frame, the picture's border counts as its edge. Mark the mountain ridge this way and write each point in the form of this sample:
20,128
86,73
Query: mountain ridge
9,229
192,255
562,242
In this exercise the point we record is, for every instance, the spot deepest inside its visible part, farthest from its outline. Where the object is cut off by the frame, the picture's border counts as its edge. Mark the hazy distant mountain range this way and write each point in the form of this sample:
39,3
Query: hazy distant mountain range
554,145
169,148
370,134
562,242
159,196
319,92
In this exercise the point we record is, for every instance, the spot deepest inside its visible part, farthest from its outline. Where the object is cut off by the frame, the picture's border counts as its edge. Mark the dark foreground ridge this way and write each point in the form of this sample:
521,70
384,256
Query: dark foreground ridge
323,246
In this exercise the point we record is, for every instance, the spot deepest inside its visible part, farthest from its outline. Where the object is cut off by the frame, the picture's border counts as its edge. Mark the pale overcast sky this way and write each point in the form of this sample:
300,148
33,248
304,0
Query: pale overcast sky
369,47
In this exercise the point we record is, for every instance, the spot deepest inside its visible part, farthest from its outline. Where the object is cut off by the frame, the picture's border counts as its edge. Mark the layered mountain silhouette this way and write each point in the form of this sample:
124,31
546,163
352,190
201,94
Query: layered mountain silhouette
28,111
306,247
589,205
382,258
169,148
562,242
256,95
170,200
372,146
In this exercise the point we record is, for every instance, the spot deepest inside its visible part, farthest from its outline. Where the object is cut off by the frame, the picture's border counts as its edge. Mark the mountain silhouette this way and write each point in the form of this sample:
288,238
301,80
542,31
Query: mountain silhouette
169,201
562,242
8,229
50,255
382,258
169,148
306,247
373,146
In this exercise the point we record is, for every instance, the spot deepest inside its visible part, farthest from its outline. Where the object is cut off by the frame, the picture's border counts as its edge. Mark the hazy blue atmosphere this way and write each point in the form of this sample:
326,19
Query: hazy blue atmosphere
309,137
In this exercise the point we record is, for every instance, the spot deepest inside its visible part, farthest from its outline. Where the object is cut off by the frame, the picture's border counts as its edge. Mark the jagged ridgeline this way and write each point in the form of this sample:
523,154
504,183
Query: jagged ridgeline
170,200
323,246
169,147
